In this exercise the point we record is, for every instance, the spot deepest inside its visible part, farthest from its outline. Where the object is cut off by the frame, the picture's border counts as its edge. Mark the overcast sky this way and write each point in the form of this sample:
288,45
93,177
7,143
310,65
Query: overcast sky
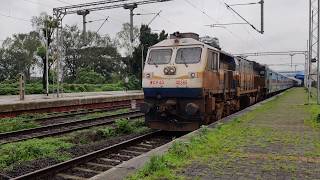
286,22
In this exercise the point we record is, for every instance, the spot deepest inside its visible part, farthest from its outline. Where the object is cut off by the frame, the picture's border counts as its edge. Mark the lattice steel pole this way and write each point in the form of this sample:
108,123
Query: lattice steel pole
318,53
314,56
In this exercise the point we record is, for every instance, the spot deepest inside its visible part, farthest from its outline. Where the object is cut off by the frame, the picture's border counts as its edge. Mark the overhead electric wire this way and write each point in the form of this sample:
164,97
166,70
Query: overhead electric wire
244,4
103,24
223,4
64,2
37,3
13,17
157,14
203,12
253,37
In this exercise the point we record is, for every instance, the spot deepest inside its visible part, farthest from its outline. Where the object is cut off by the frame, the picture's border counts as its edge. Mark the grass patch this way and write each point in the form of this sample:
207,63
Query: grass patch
314,110
20,122
16,153
314,118
121,127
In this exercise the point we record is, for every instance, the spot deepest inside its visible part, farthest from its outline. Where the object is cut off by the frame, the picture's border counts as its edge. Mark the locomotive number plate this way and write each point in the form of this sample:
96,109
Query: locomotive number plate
182,82
157,82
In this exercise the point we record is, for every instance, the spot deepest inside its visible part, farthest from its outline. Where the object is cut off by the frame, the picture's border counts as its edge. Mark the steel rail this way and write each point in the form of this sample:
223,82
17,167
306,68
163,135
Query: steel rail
63,128
81,112
52,170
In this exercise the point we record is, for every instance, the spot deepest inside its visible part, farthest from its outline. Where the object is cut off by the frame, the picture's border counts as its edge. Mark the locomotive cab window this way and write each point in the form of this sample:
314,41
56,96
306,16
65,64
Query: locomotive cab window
189,55
213,61
160,56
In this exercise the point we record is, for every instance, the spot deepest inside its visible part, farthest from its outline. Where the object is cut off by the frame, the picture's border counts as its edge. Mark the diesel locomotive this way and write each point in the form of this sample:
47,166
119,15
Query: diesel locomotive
189,82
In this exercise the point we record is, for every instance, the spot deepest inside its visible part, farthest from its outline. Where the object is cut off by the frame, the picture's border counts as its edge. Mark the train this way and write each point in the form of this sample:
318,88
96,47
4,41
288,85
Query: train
189,82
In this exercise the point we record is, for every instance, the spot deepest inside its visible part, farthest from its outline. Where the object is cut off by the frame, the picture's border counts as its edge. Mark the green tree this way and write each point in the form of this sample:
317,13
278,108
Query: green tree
3,66
46,25
123,39
18,55
147,39
100,54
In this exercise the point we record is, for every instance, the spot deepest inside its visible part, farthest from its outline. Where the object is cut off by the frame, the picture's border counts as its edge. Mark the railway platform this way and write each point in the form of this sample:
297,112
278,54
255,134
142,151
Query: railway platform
11,105
275,139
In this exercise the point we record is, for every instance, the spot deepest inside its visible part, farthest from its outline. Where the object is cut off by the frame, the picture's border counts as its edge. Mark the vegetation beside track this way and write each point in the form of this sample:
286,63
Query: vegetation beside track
228,147
36,88
28,121
314,109
56,148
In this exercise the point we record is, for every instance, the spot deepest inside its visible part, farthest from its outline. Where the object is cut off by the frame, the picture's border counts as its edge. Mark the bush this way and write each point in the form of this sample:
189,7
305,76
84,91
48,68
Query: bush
34,89
8,91
133,84
123,126
157,163
180,149
86,76
107,132
112,87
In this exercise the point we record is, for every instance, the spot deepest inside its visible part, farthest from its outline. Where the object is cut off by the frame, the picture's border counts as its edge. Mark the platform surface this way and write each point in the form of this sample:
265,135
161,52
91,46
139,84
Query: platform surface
12,103
14,99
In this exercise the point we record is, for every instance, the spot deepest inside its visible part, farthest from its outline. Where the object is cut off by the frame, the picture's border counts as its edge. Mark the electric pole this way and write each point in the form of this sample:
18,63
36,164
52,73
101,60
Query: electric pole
262,16
47,60
131,7
84,14
314,45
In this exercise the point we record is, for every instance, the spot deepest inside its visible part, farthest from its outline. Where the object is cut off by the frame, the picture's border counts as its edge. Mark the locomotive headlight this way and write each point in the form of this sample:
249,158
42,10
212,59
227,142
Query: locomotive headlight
193,75
148,75
166,70
172,70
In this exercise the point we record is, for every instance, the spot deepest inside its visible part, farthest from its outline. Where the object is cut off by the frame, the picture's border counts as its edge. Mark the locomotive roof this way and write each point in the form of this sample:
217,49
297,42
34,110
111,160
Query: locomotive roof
186,42
194,42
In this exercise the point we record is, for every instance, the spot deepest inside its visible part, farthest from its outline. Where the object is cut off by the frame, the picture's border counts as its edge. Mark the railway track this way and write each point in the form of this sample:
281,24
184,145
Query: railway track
94,163
68,114
65,127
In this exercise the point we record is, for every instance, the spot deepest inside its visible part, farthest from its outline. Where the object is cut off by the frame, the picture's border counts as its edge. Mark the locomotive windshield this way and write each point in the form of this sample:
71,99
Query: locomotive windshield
160,56
189,55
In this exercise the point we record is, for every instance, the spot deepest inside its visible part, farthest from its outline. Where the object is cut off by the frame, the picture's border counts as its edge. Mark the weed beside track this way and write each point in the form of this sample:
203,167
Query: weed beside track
27,156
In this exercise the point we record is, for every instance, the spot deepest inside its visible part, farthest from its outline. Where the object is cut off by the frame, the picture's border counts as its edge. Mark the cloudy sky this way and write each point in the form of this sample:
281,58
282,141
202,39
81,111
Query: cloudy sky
286,22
